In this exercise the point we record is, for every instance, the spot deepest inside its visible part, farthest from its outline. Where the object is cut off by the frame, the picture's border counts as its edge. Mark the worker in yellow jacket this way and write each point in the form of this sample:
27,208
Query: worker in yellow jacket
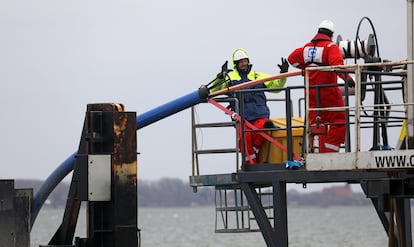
255,109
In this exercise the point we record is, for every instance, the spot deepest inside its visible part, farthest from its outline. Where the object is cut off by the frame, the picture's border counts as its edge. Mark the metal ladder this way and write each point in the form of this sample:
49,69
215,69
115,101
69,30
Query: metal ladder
233,213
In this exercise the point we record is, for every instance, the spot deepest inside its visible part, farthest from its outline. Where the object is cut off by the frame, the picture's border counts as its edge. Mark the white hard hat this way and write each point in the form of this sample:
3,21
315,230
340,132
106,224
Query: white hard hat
327,24
240,54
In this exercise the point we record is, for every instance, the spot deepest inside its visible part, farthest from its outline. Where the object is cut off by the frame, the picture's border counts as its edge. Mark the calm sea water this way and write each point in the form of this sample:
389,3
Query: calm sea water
185,227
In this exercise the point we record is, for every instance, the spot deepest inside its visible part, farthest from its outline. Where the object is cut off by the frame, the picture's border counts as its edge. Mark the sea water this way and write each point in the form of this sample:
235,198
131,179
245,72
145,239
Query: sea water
195,226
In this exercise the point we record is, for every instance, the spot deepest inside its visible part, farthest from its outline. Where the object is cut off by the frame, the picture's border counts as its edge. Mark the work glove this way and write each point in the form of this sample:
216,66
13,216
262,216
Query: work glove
350,82
284,67
220,75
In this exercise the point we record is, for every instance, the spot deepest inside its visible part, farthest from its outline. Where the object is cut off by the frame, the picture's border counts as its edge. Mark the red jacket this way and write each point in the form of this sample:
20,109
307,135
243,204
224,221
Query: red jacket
321,51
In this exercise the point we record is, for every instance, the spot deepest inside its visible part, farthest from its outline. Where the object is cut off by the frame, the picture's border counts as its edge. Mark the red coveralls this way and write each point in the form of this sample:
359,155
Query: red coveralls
253,140
321,51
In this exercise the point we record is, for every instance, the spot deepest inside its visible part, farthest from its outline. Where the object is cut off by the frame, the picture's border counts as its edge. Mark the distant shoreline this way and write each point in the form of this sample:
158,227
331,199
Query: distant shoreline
158,194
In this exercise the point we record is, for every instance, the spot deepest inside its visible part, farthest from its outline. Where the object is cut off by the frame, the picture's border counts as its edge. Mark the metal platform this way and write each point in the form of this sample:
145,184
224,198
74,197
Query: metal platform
389,191
384,173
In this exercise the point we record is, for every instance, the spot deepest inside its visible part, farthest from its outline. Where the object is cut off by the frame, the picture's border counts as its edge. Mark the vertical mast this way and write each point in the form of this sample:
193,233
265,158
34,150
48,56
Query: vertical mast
410,69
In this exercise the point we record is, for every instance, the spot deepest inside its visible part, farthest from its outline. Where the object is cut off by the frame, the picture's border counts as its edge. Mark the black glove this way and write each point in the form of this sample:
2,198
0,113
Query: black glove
350,82
220,75
284,67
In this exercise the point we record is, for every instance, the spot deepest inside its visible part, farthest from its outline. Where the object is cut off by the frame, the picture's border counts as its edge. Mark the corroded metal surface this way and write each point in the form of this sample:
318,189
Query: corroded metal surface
124,158
106,107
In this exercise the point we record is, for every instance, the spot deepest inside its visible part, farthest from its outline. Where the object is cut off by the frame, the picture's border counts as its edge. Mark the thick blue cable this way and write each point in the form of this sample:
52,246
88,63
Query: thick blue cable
49,185
168,109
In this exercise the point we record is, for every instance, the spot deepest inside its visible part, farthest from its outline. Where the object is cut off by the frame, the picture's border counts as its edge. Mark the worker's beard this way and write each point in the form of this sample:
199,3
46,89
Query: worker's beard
245,71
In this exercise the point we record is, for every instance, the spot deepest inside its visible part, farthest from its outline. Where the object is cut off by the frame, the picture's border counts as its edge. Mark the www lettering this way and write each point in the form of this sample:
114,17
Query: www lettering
394,161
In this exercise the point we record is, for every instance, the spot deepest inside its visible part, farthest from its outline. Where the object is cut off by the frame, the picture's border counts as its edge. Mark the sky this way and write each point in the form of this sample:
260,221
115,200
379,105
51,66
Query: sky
58,56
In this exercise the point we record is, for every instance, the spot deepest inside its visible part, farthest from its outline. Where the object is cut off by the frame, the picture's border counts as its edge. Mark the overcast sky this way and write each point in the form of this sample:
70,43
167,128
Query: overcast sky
58,56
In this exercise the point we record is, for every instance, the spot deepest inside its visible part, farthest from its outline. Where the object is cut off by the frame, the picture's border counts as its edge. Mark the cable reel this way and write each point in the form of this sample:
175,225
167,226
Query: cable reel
356,48
369,51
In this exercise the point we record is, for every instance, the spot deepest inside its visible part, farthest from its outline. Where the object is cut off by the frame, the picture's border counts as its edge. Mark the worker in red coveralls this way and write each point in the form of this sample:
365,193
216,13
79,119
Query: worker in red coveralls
322,51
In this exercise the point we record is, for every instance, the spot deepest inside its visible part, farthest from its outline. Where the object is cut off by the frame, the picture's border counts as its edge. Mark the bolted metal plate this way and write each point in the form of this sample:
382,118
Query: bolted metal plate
99,177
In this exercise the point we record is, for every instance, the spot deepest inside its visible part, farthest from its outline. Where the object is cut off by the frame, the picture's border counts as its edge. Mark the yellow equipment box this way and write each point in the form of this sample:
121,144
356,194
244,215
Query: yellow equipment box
270,153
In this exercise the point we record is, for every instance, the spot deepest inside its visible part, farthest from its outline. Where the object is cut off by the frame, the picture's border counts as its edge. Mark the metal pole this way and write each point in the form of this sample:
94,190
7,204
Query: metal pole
410,69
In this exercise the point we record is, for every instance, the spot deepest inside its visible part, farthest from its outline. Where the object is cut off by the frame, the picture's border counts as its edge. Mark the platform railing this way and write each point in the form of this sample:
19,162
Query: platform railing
379,107
379,88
